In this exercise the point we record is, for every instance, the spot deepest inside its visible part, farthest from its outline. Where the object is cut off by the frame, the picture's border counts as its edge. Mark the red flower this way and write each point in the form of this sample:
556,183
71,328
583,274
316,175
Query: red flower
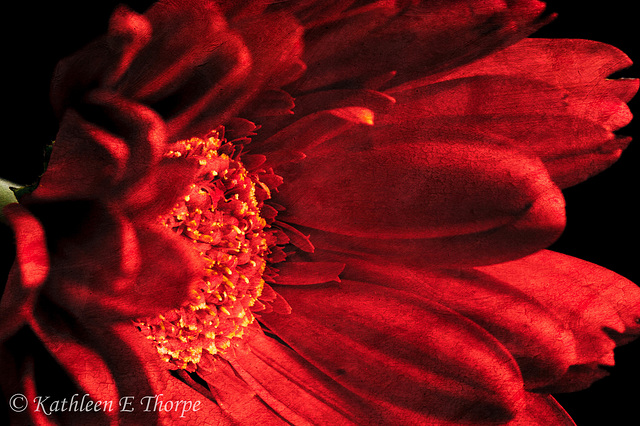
373,254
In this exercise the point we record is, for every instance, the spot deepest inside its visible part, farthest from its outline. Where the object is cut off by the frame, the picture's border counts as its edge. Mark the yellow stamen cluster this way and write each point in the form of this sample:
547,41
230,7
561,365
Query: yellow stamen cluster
220,215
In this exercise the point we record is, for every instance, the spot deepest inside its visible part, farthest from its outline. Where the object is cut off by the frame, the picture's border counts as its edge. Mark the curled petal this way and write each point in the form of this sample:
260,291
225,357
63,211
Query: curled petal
185,61
110,265
157,193
313,102
195,58
29,271
32,258
130,32
387,345
85,158
105,147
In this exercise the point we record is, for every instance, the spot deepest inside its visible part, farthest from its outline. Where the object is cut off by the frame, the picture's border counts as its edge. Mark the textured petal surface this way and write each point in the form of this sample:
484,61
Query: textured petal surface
32,259
541,410
548,98
537,339
103,268
439,190
369,338
597,305
382,37
578,65
457,161
93,160
430,207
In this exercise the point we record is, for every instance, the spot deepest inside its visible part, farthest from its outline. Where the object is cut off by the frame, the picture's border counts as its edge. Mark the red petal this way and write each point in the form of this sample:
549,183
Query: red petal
546,97
191,70
161,382
503,96
130,32
387,345
275,42
576,65
115,144
169,270
139,127
552,122
109,363
436,193
272,103
37,376
85,367
32,258
537,228
236,398
413,190
273,302
183,37
577,378
309,11
139,372
305,273
221,69
296,237
85,162
28,273
541,410
281,375
534,336
112,265
597,305
331,99
157,193
376,39
308,132
575,168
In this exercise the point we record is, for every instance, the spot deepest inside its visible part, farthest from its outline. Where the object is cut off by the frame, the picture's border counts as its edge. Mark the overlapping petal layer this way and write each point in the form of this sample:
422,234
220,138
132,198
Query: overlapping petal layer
423,166
559,317
91,249
369,338
371,40
382,194
565,115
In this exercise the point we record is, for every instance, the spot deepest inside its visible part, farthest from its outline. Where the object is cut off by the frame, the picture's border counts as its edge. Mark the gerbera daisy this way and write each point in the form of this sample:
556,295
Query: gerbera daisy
316,213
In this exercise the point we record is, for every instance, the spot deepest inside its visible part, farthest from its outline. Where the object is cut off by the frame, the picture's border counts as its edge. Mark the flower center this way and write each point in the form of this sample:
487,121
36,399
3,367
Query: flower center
220,216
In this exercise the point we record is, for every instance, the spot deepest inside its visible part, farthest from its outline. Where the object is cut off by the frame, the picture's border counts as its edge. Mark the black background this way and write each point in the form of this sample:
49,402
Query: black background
602,213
